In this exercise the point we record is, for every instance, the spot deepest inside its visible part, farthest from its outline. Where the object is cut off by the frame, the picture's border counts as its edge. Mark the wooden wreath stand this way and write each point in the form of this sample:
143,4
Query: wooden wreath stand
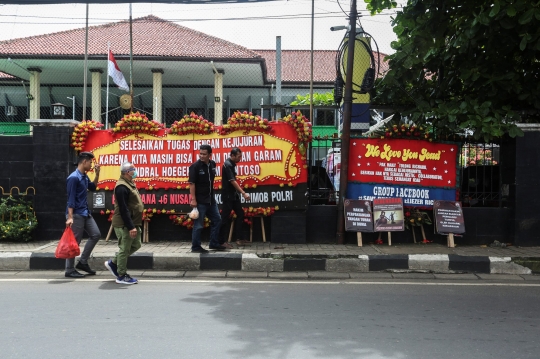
145,235
389,238
250,230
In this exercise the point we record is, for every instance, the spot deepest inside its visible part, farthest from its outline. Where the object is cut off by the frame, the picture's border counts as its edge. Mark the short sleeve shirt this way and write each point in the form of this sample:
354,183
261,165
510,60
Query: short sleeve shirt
202,175
228,191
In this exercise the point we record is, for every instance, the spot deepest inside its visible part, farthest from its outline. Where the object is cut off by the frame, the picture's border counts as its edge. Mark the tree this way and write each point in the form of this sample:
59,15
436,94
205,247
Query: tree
465,65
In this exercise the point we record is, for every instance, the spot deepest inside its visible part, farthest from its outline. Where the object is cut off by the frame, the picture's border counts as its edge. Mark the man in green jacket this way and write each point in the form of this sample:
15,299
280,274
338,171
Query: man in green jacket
127,222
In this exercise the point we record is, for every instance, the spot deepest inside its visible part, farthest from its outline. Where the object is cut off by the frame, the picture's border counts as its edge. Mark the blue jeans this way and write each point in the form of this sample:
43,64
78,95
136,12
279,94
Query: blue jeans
211,211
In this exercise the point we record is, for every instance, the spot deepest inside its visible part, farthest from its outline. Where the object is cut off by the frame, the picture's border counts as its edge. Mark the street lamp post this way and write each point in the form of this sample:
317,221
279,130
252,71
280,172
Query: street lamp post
346,133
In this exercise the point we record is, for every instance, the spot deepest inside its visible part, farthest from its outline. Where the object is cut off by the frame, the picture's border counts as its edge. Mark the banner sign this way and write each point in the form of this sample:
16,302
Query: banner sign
273,168
388,215
163,160
448,217
417,171
412,196
289,198
358,216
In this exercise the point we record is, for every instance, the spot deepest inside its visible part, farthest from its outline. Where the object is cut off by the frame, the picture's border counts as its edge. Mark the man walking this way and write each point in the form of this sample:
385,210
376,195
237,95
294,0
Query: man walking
230,195
78,216
127,222
201,189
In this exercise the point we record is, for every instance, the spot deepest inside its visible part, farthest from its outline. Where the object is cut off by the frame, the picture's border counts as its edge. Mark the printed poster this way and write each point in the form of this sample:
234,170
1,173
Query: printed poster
388,215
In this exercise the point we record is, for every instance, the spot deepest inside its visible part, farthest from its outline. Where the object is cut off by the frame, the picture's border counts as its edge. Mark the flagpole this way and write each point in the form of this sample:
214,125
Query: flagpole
131,56
85,66
107,101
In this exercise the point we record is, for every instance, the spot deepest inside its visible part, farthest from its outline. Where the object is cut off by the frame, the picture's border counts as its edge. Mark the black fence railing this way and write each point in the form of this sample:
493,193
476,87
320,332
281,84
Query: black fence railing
480,175
324,171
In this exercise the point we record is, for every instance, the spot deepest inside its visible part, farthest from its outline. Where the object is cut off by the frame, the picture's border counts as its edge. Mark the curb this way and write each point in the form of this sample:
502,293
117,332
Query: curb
248,262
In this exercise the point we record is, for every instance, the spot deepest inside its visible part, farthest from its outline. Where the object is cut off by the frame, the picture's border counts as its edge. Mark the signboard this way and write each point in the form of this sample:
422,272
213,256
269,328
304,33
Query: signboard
358,216
289,198
273,170
98,200
418,171
448,217
388,215
163,159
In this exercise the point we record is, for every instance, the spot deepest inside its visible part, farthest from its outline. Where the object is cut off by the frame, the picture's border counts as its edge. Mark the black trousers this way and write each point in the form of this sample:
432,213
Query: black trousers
228,206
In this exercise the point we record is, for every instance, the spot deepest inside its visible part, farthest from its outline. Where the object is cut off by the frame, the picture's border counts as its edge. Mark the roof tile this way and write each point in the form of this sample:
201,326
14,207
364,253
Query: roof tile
296,65
152,36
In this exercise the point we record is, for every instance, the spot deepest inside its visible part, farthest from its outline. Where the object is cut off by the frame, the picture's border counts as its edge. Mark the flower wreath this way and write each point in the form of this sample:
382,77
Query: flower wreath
192,124
81,132
137,123
245,121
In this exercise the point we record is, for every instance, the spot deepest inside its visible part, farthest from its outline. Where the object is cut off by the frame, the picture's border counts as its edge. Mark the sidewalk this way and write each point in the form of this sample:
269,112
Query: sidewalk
275,257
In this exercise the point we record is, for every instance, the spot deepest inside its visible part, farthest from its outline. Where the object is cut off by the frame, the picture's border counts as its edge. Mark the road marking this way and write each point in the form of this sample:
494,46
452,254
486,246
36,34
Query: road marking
262,281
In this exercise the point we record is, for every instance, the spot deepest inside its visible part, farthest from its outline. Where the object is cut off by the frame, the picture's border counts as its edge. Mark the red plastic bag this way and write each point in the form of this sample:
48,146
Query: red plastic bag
68,246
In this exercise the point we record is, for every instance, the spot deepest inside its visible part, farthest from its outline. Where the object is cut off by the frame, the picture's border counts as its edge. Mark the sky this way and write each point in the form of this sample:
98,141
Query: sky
252,25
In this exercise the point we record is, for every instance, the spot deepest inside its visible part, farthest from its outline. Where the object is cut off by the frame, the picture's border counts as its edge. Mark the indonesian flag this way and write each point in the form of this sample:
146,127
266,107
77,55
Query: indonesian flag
116,74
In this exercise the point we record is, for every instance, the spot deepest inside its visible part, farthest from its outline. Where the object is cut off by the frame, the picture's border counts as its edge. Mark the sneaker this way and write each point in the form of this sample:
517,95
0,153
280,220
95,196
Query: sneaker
112,268
199,250
126,279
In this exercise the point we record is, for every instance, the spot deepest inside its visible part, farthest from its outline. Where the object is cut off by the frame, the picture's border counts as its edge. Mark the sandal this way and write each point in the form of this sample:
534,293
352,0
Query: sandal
227,245
242,242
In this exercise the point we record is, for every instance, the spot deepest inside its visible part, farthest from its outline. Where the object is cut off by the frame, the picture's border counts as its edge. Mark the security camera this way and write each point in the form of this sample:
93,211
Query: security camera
337,28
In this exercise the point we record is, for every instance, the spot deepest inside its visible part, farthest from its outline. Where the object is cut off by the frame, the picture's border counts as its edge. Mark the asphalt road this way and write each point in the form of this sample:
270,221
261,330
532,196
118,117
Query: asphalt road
233,319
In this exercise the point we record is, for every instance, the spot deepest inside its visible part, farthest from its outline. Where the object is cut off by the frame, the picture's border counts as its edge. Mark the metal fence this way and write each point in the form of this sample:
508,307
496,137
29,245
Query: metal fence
480,175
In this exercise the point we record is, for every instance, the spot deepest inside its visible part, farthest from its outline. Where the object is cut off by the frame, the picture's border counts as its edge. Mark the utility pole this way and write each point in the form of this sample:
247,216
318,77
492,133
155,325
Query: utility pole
346,132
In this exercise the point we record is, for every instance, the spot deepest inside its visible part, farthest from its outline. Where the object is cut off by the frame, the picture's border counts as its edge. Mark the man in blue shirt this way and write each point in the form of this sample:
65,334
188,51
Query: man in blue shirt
78,215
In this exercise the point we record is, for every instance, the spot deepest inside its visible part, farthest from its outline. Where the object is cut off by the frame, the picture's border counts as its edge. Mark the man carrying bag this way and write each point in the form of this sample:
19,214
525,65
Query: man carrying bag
78,216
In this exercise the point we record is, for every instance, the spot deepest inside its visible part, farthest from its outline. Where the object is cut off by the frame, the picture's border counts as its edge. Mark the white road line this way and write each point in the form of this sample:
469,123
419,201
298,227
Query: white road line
227,281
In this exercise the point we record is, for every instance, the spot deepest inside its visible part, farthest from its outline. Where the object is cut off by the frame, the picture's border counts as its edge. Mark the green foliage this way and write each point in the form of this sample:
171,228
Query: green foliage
415,218
319,99
17,219
465,67
376,6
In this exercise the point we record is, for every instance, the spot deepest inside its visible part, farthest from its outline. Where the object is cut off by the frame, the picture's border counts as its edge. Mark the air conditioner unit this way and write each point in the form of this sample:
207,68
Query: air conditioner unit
11,111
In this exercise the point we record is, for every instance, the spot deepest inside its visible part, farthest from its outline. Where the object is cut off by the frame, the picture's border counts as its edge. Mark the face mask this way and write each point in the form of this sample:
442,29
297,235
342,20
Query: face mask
134,175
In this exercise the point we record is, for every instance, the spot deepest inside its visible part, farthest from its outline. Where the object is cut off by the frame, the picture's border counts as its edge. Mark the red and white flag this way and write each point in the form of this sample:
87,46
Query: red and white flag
116,74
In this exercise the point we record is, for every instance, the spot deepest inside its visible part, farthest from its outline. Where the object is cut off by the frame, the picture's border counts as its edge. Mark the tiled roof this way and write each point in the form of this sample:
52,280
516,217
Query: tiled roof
295,65
152,36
